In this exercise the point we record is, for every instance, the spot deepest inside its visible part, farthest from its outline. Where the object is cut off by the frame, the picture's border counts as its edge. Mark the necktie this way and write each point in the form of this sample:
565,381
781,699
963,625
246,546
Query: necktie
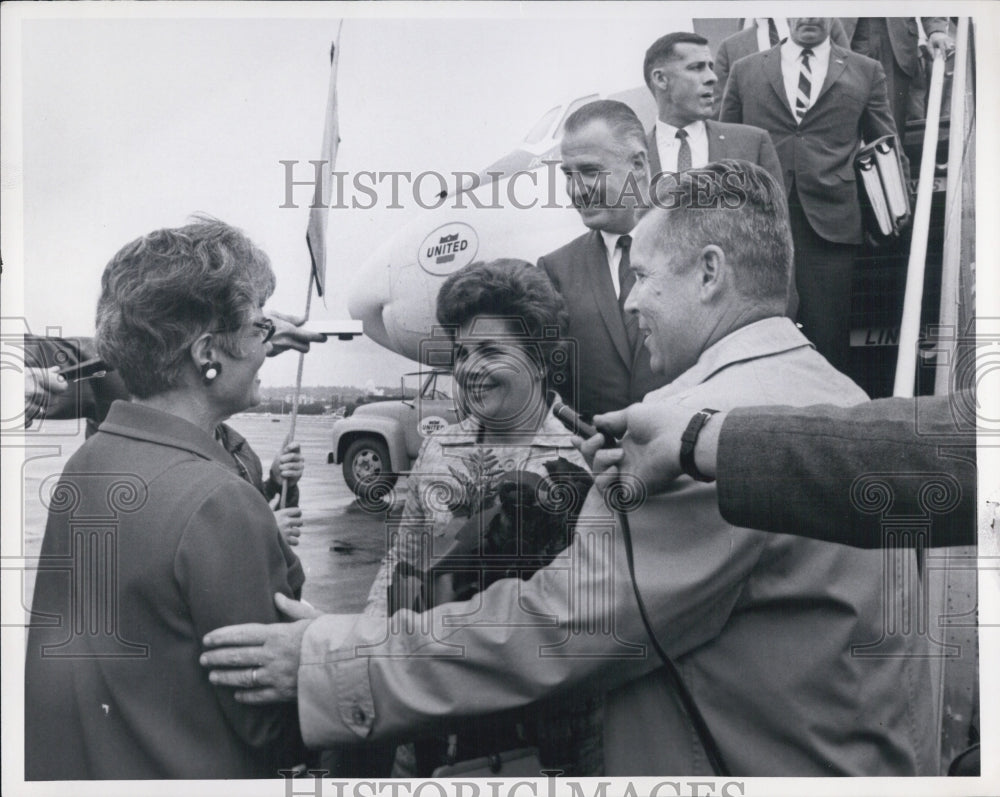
805,86
772,32
684,152
626,279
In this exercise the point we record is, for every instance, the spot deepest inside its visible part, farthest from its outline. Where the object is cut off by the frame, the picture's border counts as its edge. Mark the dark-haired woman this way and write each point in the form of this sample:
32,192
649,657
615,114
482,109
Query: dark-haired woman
481,501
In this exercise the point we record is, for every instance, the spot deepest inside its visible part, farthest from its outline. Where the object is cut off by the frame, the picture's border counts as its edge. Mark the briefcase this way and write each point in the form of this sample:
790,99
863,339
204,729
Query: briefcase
885,197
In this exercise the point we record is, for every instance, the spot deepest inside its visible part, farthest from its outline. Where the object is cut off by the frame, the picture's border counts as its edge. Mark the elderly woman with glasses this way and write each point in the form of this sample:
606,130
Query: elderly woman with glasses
47,394
154,535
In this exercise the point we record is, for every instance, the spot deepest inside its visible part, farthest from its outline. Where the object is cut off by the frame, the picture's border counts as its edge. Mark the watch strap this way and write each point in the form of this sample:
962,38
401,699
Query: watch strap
688,442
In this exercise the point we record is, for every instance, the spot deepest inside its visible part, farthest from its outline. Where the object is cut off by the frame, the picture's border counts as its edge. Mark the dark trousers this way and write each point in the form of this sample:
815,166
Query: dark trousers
823,281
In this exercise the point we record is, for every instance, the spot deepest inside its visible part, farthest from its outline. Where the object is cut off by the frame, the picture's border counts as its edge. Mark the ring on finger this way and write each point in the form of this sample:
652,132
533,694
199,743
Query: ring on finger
253,679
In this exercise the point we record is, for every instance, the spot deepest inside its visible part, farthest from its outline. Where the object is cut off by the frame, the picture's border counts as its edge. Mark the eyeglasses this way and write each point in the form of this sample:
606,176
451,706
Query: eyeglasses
265,325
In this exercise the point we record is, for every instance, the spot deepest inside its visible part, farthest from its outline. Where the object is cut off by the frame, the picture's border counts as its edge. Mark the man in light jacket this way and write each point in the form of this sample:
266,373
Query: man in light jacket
784,643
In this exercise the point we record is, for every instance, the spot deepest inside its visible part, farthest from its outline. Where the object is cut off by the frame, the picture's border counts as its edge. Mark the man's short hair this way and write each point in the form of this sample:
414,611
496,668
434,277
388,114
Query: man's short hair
737,206
622,120
663,50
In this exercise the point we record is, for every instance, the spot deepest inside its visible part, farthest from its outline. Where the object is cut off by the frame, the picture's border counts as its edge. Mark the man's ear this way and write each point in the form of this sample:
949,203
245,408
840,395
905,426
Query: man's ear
640,164
712,271
658,77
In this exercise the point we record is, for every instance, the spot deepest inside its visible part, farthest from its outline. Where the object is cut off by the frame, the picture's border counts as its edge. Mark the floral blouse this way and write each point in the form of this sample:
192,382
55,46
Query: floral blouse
453,478
456,476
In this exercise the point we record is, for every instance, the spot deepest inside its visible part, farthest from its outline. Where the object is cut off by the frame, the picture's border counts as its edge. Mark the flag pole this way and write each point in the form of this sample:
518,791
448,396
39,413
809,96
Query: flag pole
316,230
298,392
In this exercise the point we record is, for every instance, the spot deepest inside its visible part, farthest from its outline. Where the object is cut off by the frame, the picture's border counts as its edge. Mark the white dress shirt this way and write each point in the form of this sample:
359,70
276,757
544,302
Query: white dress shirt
669,145
764,32
791,66
614,257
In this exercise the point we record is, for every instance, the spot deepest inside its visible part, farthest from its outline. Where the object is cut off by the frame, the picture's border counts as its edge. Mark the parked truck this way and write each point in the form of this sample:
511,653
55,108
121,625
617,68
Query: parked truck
380,440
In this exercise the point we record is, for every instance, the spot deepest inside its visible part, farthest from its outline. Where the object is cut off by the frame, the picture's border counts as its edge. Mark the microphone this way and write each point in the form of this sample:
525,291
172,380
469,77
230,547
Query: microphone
571,419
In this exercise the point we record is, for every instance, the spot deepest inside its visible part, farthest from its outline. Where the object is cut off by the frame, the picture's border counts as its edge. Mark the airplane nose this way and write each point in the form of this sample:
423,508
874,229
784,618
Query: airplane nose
394,293
371,292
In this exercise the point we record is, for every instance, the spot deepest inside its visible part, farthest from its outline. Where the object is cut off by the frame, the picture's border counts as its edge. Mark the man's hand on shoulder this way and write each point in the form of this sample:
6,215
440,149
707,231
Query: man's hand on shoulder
260,660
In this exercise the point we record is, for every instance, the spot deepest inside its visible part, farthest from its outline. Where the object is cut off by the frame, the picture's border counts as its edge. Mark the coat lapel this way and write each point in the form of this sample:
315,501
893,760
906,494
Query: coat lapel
717,148
772,70
653,152
838,63
603,289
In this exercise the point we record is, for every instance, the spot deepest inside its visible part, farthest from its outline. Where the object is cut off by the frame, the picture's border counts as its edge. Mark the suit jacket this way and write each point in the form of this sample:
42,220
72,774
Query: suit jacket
903,37
604,374
817,156
741,142
744,43
821,459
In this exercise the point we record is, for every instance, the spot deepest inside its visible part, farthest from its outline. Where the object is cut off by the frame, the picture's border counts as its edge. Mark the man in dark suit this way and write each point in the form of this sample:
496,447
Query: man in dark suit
816,457
763,34
894,43
814,97
607,172
678,71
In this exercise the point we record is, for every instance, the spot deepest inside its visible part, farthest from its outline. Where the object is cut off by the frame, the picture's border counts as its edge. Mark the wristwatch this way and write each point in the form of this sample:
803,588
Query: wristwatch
688,441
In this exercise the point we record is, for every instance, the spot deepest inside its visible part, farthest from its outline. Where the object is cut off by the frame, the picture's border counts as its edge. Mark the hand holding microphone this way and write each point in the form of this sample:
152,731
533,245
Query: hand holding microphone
648,445
598,445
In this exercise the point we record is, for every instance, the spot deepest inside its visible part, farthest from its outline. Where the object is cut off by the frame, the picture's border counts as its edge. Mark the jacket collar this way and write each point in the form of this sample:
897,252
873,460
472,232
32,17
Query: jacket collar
230,439
760,339
139,422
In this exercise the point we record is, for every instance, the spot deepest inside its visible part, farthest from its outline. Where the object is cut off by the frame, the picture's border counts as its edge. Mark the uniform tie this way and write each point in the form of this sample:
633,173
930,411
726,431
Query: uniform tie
804,90
684,153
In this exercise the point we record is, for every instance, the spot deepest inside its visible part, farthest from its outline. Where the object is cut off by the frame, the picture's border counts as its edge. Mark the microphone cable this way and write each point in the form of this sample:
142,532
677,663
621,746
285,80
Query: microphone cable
711,747
618,489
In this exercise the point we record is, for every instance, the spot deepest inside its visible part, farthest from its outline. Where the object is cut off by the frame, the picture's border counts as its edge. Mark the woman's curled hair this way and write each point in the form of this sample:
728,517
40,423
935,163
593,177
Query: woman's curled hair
163,290
517,290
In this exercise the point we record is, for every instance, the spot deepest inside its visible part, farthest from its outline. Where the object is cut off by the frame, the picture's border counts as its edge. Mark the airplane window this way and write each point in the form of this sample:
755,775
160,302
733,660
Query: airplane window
572,107
541,128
